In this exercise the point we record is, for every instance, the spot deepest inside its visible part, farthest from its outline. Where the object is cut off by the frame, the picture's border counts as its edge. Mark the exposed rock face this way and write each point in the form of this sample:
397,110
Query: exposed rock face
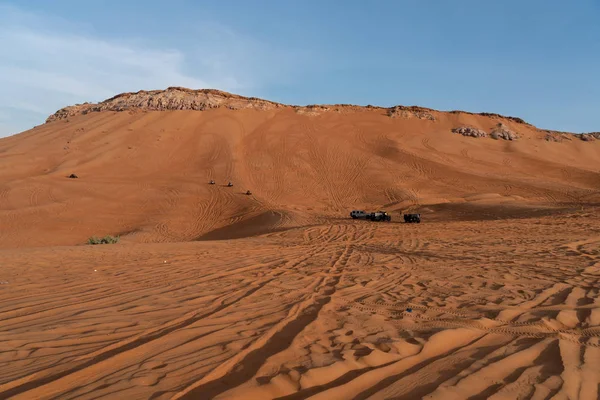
554,138
173,98
492,115
411,112
558,136
178,98
469,131
501,131
513,119
313,110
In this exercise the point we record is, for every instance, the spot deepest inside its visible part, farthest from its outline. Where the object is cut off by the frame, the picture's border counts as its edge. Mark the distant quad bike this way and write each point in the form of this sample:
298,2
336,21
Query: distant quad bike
412,218
211,182
379,216
248,193
229,184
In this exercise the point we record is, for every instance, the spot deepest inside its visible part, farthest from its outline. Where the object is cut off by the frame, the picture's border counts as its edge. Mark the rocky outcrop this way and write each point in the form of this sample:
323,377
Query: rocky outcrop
513,119
469,131
314,110
493,116
556,137
173,98
178,98
501,131
411,112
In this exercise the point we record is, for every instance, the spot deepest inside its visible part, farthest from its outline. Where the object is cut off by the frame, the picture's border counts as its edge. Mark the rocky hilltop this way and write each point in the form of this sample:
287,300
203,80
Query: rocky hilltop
179,98
173,98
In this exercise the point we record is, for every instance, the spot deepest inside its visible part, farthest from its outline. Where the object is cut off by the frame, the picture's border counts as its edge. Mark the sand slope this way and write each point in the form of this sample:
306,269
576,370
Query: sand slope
279,295
144,175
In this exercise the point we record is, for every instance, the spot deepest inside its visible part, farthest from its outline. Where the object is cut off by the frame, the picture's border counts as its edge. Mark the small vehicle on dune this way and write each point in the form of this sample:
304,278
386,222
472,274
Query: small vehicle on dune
358,214
412,218
371,216
379,216
383,216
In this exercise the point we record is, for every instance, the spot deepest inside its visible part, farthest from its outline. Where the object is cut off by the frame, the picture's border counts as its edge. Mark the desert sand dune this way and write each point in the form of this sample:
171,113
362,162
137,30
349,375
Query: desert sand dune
212,293
146,173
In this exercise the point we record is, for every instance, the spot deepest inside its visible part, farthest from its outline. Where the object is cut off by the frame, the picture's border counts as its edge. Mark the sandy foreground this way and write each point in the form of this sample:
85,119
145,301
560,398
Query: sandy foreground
503,309
212,293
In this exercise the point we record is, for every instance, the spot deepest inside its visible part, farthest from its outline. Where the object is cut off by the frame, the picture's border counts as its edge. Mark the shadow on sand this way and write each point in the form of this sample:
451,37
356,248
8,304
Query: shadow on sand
266,222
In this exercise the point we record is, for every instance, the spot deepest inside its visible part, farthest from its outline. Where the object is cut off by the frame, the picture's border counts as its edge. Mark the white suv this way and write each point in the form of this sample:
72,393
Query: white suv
358,214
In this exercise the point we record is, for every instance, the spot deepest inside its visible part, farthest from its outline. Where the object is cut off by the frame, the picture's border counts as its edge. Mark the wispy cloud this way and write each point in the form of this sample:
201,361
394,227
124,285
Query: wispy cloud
46,64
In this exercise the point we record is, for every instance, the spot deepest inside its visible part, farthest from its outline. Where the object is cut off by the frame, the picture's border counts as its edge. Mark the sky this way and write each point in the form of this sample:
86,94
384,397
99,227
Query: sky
538,60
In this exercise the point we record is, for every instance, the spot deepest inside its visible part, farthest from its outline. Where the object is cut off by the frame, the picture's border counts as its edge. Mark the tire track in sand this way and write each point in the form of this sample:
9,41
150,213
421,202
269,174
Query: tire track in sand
53,381
322,168
245,364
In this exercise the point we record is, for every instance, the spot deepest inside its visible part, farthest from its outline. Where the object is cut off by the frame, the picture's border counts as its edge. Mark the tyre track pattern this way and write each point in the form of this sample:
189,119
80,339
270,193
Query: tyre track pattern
322,168
341,287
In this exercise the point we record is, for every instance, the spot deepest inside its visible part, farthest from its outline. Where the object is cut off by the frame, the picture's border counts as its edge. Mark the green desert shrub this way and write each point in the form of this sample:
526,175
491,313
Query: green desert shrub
105,240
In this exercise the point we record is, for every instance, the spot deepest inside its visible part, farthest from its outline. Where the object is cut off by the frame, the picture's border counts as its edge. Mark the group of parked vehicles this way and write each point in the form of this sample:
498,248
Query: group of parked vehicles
383,216
361,214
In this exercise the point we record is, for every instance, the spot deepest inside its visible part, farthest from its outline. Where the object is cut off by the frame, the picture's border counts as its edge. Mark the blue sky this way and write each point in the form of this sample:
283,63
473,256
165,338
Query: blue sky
538,60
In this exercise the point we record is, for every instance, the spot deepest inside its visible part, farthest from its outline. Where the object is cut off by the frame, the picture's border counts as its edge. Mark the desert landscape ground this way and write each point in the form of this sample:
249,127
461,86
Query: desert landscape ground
212,293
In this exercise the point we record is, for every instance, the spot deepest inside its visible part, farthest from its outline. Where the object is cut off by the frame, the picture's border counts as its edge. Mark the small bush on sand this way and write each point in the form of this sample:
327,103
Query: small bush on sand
105,240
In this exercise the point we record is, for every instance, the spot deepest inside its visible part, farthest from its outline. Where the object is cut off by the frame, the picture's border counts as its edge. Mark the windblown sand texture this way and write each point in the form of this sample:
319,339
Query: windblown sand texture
212,293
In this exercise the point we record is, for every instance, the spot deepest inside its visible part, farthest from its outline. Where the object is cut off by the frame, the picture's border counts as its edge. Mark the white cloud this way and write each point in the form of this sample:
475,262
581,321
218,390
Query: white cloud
47,63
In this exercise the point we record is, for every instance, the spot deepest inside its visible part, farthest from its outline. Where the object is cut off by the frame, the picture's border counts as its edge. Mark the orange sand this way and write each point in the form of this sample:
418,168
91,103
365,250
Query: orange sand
214,294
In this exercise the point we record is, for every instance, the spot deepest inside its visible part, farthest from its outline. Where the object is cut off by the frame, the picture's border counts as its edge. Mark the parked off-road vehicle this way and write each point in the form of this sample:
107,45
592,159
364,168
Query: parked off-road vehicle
412,218
358,214
379,216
